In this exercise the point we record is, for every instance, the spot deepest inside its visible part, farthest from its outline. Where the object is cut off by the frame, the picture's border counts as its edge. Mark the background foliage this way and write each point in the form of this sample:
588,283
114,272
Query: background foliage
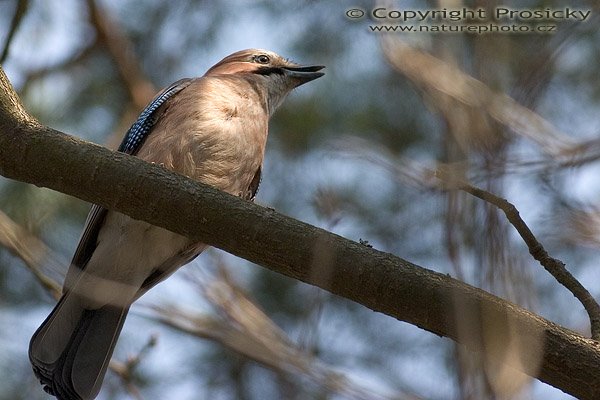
339,156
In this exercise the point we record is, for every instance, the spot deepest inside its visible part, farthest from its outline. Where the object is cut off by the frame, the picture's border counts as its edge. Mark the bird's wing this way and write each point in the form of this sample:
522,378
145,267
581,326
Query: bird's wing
132,142
170,265
141,128
253,189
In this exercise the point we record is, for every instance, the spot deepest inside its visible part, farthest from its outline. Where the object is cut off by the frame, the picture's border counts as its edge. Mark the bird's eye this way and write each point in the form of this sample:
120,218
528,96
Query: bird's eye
262,59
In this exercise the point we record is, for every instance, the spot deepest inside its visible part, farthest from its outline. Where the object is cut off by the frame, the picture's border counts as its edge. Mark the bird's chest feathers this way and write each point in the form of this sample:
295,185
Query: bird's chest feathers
232,132
218,139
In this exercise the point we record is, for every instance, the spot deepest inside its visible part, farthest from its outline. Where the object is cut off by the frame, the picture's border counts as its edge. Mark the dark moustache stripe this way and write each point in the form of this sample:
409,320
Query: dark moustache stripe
269,71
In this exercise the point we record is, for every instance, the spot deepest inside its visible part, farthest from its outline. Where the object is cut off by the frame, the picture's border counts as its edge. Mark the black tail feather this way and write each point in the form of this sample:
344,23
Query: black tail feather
71,350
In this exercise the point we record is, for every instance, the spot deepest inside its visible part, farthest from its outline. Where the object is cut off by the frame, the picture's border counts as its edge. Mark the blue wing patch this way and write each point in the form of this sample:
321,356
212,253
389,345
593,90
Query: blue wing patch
139,130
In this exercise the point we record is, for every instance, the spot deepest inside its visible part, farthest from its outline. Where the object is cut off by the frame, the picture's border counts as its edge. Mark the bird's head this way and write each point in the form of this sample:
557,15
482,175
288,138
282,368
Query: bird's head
277,74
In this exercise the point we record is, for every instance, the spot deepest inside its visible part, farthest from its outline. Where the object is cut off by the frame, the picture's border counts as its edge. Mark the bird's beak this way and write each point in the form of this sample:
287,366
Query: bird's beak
304,74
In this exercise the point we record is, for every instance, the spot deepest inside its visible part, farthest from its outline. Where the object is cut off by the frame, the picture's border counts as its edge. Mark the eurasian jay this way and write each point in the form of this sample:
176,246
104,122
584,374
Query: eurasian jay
212,129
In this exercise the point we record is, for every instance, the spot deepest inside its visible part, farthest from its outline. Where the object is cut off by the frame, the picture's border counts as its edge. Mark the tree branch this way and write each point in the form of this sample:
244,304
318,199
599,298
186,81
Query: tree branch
118,45
447,177
555,267
383,282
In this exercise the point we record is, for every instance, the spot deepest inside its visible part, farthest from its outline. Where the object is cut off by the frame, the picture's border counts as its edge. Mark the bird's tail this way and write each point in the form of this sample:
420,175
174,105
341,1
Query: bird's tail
71,350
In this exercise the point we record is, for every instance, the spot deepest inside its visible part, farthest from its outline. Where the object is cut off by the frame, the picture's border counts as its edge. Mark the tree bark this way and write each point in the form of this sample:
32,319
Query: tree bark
36,154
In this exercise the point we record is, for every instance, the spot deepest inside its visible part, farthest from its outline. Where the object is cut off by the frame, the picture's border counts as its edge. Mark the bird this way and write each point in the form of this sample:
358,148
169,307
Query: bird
212,129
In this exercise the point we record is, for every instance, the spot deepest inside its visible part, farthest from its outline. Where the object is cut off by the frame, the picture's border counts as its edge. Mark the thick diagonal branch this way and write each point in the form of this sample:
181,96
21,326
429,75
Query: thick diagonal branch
383,282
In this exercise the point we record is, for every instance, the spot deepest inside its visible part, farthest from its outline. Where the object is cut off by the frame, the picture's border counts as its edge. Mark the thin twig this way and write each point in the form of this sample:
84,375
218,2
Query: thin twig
411,172
32,251
554,266
20,12
126,370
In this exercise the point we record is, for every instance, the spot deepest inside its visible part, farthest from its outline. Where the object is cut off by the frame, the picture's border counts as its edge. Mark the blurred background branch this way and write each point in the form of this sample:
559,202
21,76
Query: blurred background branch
446,85
20,10
31,251
242,327
122,52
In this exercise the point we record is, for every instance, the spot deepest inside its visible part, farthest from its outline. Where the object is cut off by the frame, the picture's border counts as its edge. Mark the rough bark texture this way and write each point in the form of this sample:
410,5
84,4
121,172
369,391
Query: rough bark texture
32,153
